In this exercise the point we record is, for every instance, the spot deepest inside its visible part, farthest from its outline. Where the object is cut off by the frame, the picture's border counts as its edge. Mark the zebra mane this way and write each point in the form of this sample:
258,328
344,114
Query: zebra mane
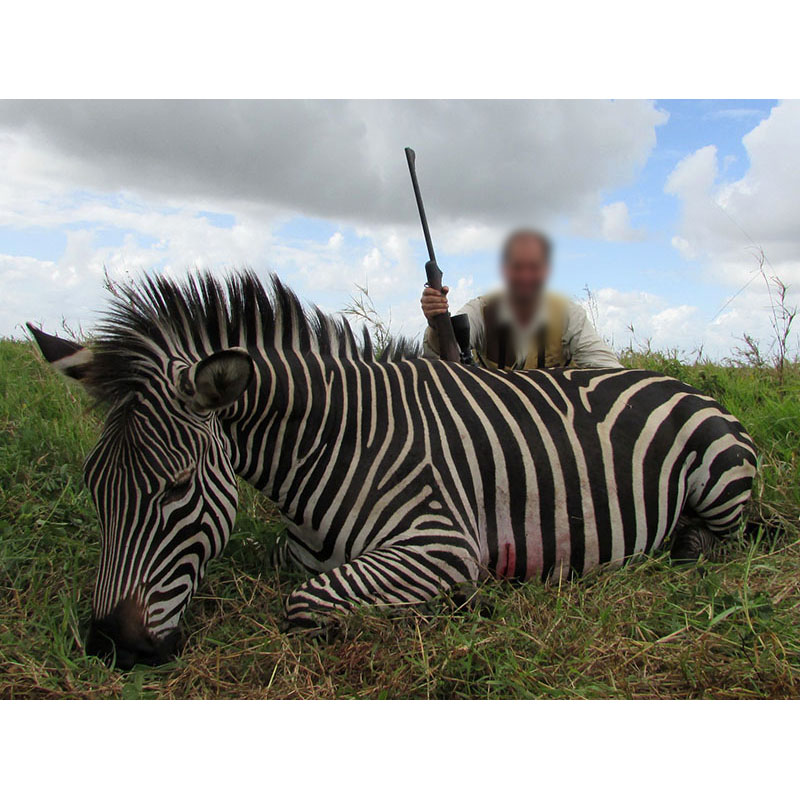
155,319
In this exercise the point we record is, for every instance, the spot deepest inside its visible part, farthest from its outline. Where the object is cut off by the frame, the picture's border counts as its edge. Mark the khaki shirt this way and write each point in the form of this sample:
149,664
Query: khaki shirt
580,342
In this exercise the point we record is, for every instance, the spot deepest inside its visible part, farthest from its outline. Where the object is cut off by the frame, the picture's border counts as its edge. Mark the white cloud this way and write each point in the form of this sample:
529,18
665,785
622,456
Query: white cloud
33,290
639,318
469,237
343,160
617,224
724,222
695,174
683,247
610,222
147,170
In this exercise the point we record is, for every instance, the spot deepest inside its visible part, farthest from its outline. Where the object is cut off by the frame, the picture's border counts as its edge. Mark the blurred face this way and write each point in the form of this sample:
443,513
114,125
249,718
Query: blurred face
526,270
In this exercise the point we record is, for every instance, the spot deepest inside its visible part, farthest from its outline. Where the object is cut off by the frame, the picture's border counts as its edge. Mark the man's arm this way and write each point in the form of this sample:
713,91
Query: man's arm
430,341
584,344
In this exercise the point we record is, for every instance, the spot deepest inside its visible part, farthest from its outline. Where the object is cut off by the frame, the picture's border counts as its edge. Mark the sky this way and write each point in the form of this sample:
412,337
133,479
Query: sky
658,208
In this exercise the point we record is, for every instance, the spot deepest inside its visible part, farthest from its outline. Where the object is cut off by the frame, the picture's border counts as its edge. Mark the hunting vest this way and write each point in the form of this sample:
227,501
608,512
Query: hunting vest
546,348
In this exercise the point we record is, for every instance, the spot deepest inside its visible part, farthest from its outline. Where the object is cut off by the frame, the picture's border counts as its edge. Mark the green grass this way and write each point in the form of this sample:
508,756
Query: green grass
728,629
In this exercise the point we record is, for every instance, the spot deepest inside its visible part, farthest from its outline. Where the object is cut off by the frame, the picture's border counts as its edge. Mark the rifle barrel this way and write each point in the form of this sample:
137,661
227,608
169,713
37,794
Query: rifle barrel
442,324
411,157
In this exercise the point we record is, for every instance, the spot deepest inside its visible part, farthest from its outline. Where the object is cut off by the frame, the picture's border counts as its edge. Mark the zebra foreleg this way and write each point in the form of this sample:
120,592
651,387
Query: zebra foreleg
399,575
690,542
281,558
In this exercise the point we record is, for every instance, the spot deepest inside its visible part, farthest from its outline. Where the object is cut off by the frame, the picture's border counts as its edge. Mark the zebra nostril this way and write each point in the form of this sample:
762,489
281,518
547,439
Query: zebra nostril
121,638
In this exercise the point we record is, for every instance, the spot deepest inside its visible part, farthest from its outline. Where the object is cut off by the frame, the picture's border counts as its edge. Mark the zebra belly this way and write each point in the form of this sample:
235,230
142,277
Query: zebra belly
581,469
617,514
602,517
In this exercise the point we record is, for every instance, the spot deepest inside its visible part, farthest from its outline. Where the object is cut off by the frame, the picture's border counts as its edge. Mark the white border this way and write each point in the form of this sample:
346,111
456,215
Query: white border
399,749
414,48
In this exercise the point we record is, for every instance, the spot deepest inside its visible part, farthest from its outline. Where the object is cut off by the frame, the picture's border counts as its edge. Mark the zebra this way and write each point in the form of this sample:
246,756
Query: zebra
398,478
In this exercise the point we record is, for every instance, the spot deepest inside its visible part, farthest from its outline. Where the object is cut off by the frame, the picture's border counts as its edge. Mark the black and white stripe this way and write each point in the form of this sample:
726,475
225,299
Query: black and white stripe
421,474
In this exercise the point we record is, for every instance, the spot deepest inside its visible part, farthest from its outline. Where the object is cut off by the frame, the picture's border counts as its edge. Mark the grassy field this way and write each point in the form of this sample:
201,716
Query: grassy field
724,629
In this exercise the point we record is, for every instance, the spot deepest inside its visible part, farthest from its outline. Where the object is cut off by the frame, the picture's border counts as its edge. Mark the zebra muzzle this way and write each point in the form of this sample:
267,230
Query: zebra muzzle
121,638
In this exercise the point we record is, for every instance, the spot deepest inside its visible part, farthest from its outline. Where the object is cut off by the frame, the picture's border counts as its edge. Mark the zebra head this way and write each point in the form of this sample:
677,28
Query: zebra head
163,486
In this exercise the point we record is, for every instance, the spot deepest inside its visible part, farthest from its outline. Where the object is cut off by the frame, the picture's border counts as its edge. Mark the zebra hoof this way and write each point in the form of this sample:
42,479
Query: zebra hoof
690,543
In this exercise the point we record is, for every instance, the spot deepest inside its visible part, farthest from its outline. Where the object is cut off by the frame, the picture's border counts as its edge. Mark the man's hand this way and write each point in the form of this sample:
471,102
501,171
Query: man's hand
434,302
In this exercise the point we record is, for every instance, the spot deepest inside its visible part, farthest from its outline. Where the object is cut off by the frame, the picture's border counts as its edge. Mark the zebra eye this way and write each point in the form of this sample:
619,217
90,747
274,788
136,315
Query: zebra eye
178,487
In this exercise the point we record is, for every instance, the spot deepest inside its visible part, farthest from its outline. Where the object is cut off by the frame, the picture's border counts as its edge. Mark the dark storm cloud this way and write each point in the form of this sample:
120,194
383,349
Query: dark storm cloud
479,161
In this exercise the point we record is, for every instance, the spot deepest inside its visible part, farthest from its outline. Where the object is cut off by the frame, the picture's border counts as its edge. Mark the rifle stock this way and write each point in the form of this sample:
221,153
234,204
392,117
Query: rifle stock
448,346
442,323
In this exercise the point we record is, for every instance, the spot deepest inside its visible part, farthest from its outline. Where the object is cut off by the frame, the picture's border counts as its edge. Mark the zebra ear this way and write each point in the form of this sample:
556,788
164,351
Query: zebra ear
217,380
69,358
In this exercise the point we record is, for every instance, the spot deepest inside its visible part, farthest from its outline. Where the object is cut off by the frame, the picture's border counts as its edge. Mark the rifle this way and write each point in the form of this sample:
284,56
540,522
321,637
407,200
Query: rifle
453,332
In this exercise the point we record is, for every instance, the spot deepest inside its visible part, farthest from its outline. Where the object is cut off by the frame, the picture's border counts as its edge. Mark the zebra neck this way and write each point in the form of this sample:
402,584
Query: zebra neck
296,413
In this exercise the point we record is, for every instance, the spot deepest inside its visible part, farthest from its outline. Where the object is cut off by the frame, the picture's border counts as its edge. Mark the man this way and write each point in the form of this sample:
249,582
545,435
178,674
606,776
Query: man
524,326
